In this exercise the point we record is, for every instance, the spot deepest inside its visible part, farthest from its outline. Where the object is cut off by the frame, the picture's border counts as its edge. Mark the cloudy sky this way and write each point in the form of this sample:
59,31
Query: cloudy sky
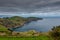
30,7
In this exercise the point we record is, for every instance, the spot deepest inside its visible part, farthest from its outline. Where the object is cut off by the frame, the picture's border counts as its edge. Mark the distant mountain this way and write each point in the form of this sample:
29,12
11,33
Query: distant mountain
1,16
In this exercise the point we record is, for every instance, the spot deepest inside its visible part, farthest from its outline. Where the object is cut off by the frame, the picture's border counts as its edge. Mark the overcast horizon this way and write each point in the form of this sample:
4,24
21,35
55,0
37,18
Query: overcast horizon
45,8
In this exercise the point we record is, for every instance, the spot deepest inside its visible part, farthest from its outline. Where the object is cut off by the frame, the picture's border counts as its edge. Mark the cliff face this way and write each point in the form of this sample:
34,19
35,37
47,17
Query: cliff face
16,21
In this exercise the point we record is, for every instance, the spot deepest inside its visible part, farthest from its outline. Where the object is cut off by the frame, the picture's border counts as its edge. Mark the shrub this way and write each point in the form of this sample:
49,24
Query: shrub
55,33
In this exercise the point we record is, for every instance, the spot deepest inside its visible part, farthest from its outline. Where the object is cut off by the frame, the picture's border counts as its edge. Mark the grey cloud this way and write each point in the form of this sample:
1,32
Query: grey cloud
29,5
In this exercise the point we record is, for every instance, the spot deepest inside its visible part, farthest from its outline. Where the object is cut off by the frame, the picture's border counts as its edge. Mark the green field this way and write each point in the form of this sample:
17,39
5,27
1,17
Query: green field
26,38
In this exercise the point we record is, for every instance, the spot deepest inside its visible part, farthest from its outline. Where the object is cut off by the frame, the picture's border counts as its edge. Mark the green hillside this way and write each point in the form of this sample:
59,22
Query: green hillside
16,21
3,28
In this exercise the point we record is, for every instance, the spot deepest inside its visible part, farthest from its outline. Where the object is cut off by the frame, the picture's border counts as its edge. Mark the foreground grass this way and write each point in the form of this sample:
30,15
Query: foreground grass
26,38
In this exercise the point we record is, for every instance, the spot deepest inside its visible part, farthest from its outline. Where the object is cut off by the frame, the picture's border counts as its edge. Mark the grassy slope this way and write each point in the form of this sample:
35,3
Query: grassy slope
3,28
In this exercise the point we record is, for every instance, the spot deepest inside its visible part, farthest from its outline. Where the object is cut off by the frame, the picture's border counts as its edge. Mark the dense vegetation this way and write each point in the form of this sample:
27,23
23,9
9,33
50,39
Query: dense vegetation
55,33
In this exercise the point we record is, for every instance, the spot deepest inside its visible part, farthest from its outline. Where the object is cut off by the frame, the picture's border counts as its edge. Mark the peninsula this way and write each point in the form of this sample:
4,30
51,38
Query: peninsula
16,21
